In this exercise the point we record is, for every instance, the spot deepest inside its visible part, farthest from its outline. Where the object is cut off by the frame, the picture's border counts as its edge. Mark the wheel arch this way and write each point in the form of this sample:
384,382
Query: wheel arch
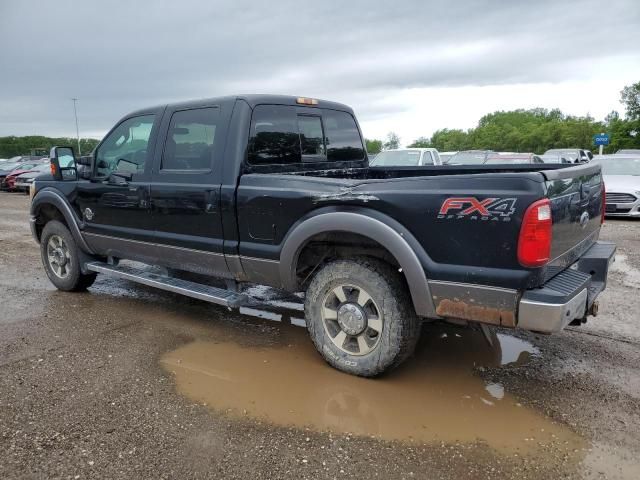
377,227
49,205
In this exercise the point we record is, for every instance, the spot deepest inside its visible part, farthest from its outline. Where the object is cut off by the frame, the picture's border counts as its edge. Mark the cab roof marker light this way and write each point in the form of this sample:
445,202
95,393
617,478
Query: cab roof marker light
306,101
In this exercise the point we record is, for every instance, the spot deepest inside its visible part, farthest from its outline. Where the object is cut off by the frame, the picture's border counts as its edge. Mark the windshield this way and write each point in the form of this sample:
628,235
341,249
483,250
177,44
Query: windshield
620,166
565,155
397,158
469,158
496,159
8,165
27,166
45,167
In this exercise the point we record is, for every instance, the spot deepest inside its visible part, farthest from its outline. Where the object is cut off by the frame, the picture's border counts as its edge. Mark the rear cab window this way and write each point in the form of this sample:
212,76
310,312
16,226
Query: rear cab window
293,136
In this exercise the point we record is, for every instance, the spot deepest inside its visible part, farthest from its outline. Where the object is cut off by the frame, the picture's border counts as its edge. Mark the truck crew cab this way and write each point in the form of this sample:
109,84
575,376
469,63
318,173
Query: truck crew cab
277,190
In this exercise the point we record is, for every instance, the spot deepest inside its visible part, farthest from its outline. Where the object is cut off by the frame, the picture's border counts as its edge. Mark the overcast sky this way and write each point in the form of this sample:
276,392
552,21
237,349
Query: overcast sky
407,66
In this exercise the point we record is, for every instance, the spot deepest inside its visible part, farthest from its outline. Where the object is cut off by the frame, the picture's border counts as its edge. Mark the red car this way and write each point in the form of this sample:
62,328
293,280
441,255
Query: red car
9,182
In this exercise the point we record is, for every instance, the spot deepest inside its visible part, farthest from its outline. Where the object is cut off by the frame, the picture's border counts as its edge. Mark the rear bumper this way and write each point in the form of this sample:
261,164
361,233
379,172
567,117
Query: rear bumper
569,295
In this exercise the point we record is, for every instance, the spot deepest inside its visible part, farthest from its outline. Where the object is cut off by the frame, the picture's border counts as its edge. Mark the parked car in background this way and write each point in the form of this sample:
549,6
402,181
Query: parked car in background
629,151
7,176
470,157
23,181
621,175
566,155
446,156
497,158
406,157
554,159
6,168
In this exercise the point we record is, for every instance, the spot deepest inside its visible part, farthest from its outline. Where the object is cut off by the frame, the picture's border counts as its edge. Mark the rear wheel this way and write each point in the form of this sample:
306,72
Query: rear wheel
60,258
360,316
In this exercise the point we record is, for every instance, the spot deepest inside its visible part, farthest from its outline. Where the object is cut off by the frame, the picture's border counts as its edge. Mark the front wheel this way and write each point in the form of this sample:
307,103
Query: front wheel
360,316
60,258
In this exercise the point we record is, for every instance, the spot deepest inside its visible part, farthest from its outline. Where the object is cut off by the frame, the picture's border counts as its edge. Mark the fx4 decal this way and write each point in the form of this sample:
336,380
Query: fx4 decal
471,208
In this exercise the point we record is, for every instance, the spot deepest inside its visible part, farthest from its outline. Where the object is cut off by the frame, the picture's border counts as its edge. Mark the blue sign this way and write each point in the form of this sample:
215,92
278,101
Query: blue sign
601,139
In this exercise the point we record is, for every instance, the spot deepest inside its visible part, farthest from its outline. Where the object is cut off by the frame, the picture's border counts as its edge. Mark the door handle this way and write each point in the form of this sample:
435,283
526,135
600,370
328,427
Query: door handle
211,205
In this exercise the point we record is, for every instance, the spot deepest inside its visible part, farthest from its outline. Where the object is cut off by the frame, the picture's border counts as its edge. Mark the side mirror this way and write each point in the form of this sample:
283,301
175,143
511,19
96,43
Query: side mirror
63,163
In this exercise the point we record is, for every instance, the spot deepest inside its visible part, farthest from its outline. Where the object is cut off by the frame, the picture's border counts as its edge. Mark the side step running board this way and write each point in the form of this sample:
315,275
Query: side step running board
215,295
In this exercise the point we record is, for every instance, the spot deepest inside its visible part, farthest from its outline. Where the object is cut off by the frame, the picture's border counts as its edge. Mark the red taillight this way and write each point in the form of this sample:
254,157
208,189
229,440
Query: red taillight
604,203
52,167
534,243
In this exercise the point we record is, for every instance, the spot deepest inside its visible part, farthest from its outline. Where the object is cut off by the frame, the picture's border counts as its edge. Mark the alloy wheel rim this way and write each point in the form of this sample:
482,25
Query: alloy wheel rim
352,319
58,256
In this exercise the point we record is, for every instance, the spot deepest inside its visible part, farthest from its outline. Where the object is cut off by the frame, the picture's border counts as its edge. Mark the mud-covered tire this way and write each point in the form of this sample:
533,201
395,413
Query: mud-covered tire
56,237
389,294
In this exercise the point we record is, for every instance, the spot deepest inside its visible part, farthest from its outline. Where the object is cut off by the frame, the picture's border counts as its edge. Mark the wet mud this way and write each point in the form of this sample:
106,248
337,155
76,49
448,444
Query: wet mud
434,397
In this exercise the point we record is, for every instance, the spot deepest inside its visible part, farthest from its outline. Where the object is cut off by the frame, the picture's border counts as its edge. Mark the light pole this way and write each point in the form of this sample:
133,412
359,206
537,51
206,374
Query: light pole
75,112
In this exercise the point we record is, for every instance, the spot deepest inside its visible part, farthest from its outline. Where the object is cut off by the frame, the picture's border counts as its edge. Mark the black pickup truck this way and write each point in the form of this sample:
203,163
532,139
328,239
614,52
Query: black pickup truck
277,190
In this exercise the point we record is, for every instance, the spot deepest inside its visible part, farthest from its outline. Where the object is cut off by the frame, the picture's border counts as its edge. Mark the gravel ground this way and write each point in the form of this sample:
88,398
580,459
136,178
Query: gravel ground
83,390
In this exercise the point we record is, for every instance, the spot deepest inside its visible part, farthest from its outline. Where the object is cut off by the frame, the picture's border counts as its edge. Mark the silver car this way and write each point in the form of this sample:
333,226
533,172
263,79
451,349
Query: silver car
406,157
622,183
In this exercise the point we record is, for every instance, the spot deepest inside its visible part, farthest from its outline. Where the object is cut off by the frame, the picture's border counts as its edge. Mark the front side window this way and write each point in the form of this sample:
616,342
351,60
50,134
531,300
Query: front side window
190,139
125,148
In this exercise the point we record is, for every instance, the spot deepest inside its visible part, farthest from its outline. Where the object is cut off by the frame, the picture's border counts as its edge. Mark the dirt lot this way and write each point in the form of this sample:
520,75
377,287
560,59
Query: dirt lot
128,382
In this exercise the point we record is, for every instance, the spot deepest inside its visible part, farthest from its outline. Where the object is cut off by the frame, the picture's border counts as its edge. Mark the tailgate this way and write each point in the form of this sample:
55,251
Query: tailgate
576,207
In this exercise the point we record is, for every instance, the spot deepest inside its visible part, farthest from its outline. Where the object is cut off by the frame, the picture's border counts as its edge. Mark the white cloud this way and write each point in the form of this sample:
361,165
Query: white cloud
409,66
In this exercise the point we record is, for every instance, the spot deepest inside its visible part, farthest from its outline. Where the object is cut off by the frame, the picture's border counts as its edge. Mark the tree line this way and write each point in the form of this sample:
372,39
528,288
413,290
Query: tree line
13,146
534,130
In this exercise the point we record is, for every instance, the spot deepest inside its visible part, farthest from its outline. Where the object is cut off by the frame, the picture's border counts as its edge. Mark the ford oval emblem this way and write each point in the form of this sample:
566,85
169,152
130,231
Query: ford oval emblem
584,219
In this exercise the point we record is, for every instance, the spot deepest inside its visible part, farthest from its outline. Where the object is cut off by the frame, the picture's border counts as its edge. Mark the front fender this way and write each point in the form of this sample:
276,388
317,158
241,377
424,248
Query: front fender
387,233
50,196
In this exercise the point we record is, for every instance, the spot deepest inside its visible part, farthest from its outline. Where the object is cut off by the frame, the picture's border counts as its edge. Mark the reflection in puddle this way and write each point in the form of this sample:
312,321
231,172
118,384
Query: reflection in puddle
434,397
495,390
515,351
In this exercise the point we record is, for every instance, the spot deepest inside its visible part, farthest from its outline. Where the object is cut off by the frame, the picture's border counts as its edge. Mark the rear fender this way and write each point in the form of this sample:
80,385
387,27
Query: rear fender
395,239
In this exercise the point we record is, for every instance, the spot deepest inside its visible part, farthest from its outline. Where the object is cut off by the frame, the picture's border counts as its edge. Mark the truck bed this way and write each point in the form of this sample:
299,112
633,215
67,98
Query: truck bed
459,248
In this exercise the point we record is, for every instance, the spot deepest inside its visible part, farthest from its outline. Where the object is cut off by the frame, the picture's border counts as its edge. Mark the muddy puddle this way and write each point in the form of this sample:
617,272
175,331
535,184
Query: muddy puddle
434,397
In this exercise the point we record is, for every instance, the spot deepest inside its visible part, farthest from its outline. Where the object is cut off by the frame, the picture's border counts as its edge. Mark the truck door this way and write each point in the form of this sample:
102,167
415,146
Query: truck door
185,189
114,206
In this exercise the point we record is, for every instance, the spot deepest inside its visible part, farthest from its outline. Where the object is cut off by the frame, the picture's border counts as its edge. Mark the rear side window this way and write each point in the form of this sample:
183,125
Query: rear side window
343,138
281,135
274,136
190,140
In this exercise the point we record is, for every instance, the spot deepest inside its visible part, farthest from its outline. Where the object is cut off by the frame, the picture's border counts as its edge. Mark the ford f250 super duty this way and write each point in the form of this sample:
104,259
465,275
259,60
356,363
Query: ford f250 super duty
277,190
